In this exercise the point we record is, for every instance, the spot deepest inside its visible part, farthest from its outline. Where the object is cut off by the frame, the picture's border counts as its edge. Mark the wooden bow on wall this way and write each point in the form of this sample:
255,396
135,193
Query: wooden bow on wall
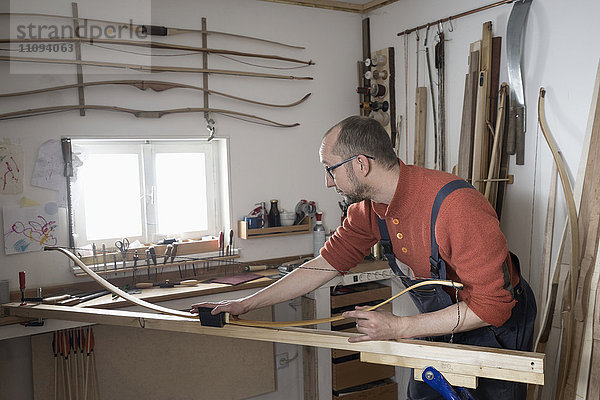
153,30
155,45
144,113
157,86
149,68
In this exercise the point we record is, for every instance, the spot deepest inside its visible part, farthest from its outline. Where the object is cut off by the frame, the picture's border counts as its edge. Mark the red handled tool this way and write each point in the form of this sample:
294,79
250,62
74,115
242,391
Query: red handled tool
24,299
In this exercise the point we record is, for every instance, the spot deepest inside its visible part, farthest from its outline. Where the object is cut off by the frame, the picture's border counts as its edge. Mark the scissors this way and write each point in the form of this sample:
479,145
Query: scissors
123,246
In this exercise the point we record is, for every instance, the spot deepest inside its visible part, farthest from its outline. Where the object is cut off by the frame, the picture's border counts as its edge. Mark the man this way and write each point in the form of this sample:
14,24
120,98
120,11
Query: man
394,202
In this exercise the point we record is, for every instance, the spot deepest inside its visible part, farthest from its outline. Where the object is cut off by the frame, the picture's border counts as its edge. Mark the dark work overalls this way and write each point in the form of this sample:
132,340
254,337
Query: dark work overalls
516,333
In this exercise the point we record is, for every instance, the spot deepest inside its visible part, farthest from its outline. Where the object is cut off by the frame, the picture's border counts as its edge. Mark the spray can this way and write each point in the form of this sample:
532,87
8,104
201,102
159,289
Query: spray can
318,234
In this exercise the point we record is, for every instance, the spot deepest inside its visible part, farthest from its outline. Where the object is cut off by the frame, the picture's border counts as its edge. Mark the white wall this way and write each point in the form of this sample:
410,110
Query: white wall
266,162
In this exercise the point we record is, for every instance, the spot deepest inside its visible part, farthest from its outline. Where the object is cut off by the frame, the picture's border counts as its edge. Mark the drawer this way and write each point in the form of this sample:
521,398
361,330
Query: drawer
355,372
387,390
361,293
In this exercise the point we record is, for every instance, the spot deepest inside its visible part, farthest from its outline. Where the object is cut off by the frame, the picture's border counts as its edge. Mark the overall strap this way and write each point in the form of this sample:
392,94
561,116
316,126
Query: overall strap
386,244
438,266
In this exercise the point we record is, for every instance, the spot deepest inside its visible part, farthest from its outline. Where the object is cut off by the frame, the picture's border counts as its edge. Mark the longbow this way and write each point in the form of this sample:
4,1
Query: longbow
142,113
155,45
567,313
149,68
157,86
266,324
154,30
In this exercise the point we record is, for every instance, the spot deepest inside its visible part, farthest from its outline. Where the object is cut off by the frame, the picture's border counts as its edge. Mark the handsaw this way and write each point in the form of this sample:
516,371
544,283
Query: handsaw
517,109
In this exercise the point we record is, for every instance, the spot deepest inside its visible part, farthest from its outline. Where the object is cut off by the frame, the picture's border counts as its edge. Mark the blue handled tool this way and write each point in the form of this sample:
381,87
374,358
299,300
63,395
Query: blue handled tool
436,380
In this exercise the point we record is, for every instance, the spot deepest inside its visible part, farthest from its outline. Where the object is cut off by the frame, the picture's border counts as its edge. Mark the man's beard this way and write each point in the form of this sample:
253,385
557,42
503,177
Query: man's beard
359,193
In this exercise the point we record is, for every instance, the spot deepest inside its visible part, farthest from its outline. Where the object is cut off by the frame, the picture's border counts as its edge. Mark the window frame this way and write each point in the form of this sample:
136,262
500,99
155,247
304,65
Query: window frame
217,179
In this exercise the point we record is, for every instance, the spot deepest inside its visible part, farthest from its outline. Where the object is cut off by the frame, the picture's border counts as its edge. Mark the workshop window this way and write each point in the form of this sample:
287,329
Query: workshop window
148,190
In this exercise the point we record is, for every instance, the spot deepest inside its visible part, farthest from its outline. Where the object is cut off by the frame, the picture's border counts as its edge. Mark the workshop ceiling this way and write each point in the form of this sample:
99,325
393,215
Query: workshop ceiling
355,6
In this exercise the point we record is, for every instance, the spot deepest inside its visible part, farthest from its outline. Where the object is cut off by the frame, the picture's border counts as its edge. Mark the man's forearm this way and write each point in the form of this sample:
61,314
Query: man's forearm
440,322
308,277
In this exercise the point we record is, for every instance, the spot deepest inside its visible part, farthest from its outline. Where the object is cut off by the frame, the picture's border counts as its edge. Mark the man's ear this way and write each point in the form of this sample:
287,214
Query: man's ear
364,165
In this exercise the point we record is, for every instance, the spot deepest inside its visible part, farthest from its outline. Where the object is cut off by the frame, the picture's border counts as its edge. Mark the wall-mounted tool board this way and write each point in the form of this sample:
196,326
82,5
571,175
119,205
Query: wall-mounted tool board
382,71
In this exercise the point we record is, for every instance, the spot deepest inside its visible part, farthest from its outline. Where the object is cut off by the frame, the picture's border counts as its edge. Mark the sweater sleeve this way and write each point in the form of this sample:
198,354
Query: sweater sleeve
352,241
470,240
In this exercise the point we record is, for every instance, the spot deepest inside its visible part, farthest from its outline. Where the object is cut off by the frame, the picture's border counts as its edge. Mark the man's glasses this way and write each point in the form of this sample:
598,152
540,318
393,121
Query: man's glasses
329,169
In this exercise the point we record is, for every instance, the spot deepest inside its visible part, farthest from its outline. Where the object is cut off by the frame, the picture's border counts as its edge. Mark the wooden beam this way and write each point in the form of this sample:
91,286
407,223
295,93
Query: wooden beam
338,5
326,4
420,122
483,362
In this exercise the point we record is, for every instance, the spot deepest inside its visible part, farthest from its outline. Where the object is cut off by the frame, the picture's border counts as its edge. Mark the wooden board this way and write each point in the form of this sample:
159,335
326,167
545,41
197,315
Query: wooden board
420,125
492,363
389,83
480,138
467,128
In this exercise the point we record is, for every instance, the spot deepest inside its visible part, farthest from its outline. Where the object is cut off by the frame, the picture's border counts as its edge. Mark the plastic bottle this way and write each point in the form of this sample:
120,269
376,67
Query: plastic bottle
318,235
274,217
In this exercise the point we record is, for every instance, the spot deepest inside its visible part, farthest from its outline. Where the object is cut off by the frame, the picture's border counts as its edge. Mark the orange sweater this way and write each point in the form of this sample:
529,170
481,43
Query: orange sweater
467,232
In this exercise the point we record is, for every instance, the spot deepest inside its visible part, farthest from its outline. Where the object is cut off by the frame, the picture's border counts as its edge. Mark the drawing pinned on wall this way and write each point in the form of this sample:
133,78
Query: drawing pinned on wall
30,228
49,169
11,168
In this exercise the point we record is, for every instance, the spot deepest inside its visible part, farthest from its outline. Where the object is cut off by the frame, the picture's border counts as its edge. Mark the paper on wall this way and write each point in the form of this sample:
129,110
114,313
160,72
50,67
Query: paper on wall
49,169
11,168
30,228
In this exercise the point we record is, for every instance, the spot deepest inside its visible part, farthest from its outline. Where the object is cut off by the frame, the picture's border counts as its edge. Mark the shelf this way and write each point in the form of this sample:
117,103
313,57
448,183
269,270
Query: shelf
245,233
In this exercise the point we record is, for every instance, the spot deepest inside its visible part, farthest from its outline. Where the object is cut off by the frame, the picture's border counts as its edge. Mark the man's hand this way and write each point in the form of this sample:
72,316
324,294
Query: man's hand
233,307
374,325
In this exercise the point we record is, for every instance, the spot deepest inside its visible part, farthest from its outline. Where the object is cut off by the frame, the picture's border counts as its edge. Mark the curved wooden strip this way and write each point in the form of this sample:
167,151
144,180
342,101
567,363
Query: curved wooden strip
157,86
568,193
568,317
141,113
165,31
269,324
149,68
113,289
155,45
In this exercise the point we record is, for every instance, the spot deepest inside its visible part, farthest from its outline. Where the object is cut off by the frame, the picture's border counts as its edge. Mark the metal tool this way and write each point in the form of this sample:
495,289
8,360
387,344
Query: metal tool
153,255
148,262
94,256
135,261
123,246
104,255
230,253
517,110
24,299
115,262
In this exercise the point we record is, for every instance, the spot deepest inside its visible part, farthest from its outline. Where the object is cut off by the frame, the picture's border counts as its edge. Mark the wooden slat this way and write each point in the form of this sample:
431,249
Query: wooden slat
467,129
452,368
420,125
492,363
480,137
494,167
